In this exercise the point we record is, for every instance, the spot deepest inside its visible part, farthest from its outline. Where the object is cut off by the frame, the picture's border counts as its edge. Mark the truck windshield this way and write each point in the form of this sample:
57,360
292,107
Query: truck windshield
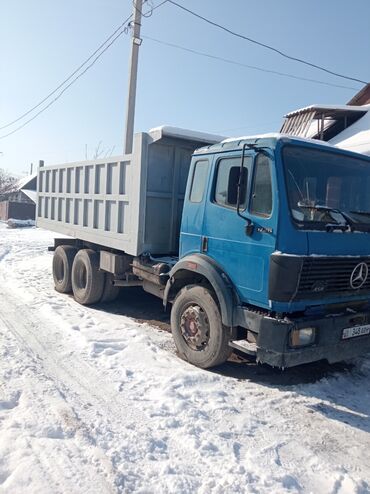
327,189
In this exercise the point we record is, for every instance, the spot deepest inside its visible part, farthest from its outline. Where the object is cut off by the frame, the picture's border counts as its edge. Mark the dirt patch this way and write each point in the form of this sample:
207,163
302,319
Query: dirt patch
141,306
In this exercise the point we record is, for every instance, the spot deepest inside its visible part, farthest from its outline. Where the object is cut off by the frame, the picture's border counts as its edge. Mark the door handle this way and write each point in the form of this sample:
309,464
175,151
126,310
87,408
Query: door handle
204,244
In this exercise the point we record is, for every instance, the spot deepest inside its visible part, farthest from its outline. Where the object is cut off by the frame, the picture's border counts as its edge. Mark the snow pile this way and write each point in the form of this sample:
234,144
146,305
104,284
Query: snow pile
12,223
92,401
193,135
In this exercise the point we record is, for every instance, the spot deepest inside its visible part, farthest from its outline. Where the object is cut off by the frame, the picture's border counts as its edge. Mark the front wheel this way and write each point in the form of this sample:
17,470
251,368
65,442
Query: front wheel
197,329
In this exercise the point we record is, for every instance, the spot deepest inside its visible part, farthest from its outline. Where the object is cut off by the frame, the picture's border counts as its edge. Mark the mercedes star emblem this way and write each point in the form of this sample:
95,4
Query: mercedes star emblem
359,275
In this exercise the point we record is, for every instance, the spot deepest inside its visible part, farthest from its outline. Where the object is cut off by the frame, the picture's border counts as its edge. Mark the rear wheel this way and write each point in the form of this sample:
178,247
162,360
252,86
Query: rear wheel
110,292
87,279
62,268
197,329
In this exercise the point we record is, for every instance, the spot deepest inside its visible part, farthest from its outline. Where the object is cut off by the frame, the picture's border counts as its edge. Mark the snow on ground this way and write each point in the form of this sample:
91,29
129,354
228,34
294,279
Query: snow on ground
92,401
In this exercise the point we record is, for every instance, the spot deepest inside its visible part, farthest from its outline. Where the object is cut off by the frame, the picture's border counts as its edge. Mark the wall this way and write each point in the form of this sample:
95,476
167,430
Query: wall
4,210
21,211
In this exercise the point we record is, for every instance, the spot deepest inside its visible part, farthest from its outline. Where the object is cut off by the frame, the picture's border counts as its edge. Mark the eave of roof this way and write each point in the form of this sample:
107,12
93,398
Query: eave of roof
329,109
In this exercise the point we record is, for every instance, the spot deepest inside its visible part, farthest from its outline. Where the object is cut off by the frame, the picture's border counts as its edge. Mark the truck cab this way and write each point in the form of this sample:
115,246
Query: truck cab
286,222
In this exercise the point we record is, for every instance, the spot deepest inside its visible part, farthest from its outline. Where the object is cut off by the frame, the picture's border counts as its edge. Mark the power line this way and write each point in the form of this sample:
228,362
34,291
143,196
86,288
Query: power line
64,89
68,78
254,67
264,45
152,8
123,31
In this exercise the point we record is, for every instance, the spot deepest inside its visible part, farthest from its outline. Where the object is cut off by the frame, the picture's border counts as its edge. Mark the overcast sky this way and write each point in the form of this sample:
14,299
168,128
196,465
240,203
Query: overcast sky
43,41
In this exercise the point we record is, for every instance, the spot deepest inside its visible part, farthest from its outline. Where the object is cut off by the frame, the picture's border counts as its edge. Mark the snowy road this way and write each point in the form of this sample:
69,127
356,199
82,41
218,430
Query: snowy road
93,401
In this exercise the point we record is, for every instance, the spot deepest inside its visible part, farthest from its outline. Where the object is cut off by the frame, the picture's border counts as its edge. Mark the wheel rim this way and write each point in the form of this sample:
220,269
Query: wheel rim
194,326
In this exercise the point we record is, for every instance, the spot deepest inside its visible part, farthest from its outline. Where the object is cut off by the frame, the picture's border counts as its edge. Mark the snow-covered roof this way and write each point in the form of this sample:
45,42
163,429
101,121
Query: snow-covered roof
167,130
356,137
226,144
22,182
274,135
269,135
321,108
31,194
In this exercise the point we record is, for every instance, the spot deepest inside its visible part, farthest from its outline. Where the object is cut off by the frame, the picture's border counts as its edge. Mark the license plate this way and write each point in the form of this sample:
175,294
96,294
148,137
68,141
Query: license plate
355,331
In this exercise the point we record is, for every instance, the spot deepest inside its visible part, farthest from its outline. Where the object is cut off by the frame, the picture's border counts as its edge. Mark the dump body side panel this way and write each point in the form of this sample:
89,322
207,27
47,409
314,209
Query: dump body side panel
131,203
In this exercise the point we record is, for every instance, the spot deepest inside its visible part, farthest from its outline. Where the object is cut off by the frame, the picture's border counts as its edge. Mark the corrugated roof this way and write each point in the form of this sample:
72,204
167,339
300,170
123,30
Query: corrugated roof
328,109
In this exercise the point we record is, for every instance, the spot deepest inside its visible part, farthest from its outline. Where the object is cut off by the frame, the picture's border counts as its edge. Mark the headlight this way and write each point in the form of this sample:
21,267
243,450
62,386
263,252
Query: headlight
302,337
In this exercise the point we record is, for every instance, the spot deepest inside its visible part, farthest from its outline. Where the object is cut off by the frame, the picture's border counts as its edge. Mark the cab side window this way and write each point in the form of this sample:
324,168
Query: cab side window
199,181
226,188
261,204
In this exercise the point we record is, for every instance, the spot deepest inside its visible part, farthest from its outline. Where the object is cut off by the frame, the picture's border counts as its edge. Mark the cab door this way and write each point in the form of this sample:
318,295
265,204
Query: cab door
191,232
244,256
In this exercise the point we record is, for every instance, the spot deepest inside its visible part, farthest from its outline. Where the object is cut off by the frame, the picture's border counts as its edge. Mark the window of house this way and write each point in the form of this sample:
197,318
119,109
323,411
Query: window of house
226,189
199,181
261,204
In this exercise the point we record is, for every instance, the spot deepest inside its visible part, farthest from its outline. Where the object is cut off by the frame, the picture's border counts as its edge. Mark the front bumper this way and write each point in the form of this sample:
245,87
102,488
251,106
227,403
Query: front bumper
273,339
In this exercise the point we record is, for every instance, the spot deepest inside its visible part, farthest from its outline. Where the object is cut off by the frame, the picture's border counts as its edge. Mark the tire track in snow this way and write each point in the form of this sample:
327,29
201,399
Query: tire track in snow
44,407
93,401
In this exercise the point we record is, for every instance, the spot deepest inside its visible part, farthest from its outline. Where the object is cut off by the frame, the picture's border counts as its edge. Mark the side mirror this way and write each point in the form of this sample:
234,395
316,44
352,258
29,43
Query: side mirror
237,184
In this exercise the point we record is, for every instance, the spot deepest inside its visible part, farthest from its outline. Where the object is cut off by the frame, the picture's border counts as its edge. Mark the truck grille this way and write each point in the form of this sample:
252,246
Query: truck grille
331,275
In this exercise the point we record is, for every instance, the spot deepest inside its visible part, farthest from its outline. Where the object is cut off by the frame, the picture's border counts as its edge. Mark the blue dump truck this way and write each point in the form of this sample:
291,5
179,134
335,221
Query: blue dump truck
257,244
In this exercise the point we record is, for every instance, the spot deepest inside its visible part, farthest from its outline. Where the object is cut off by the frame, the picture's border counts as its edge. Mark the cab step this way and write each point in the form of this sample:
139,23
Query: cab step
244,346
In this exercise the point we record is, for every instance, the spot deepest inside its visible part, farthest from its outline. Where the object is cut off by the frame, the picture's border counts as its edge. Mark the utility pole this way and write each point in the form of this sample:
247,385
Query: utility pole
130,109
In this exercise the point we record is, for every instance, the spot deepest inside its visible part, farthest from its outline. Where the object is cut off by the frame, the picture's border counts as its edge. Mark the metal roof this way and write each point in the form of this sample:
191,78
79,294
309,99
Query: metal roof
321,121
327,109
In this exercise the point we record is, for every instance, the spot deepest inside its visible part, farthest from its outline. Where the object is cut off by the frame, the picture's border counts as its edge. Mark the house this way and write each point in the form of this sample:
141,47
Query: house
20,201
345,126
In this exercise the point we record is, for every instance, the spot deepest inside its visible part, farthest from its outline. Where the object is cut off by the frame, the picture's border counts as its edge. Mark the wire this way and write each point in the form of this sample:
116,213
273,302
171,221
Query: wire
152,8
259,43
121,26
123,31
64,89
233,62
150,11
68,78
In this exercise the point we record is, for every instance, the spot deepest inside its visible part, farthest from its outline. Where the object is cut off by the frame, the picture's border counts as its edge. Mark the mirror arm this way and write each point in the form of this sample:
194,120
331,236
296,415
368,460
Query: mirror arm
249,226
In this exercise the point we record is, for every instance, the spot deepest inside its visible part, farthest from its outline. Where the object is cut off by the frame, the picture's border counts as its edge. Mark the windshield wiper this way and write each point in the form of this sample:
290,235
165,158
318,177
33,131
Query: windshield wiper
320,207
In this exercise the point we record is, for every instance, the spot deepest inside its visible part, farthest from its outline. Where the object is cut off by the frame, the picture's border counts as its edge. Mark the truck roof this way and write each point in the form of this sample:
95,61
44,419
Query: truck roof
269,140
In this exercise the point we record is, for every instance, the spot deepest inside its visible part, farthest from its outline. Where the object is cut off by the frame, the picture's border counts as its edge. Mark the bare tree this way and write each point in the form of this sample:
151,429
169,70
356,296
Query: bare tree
99,152
7,181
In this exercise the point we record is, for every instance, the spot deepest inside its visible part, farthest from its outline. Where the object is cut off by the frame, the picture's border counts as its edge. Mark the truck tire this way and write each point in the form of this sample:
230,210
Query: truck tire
197,329
62,268
87,279
110,292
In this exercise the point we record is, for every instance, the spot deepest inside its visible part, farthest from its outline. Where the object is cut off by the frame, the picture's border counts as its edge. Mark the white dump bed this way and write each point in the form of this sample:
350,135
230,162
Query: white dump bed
132,203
